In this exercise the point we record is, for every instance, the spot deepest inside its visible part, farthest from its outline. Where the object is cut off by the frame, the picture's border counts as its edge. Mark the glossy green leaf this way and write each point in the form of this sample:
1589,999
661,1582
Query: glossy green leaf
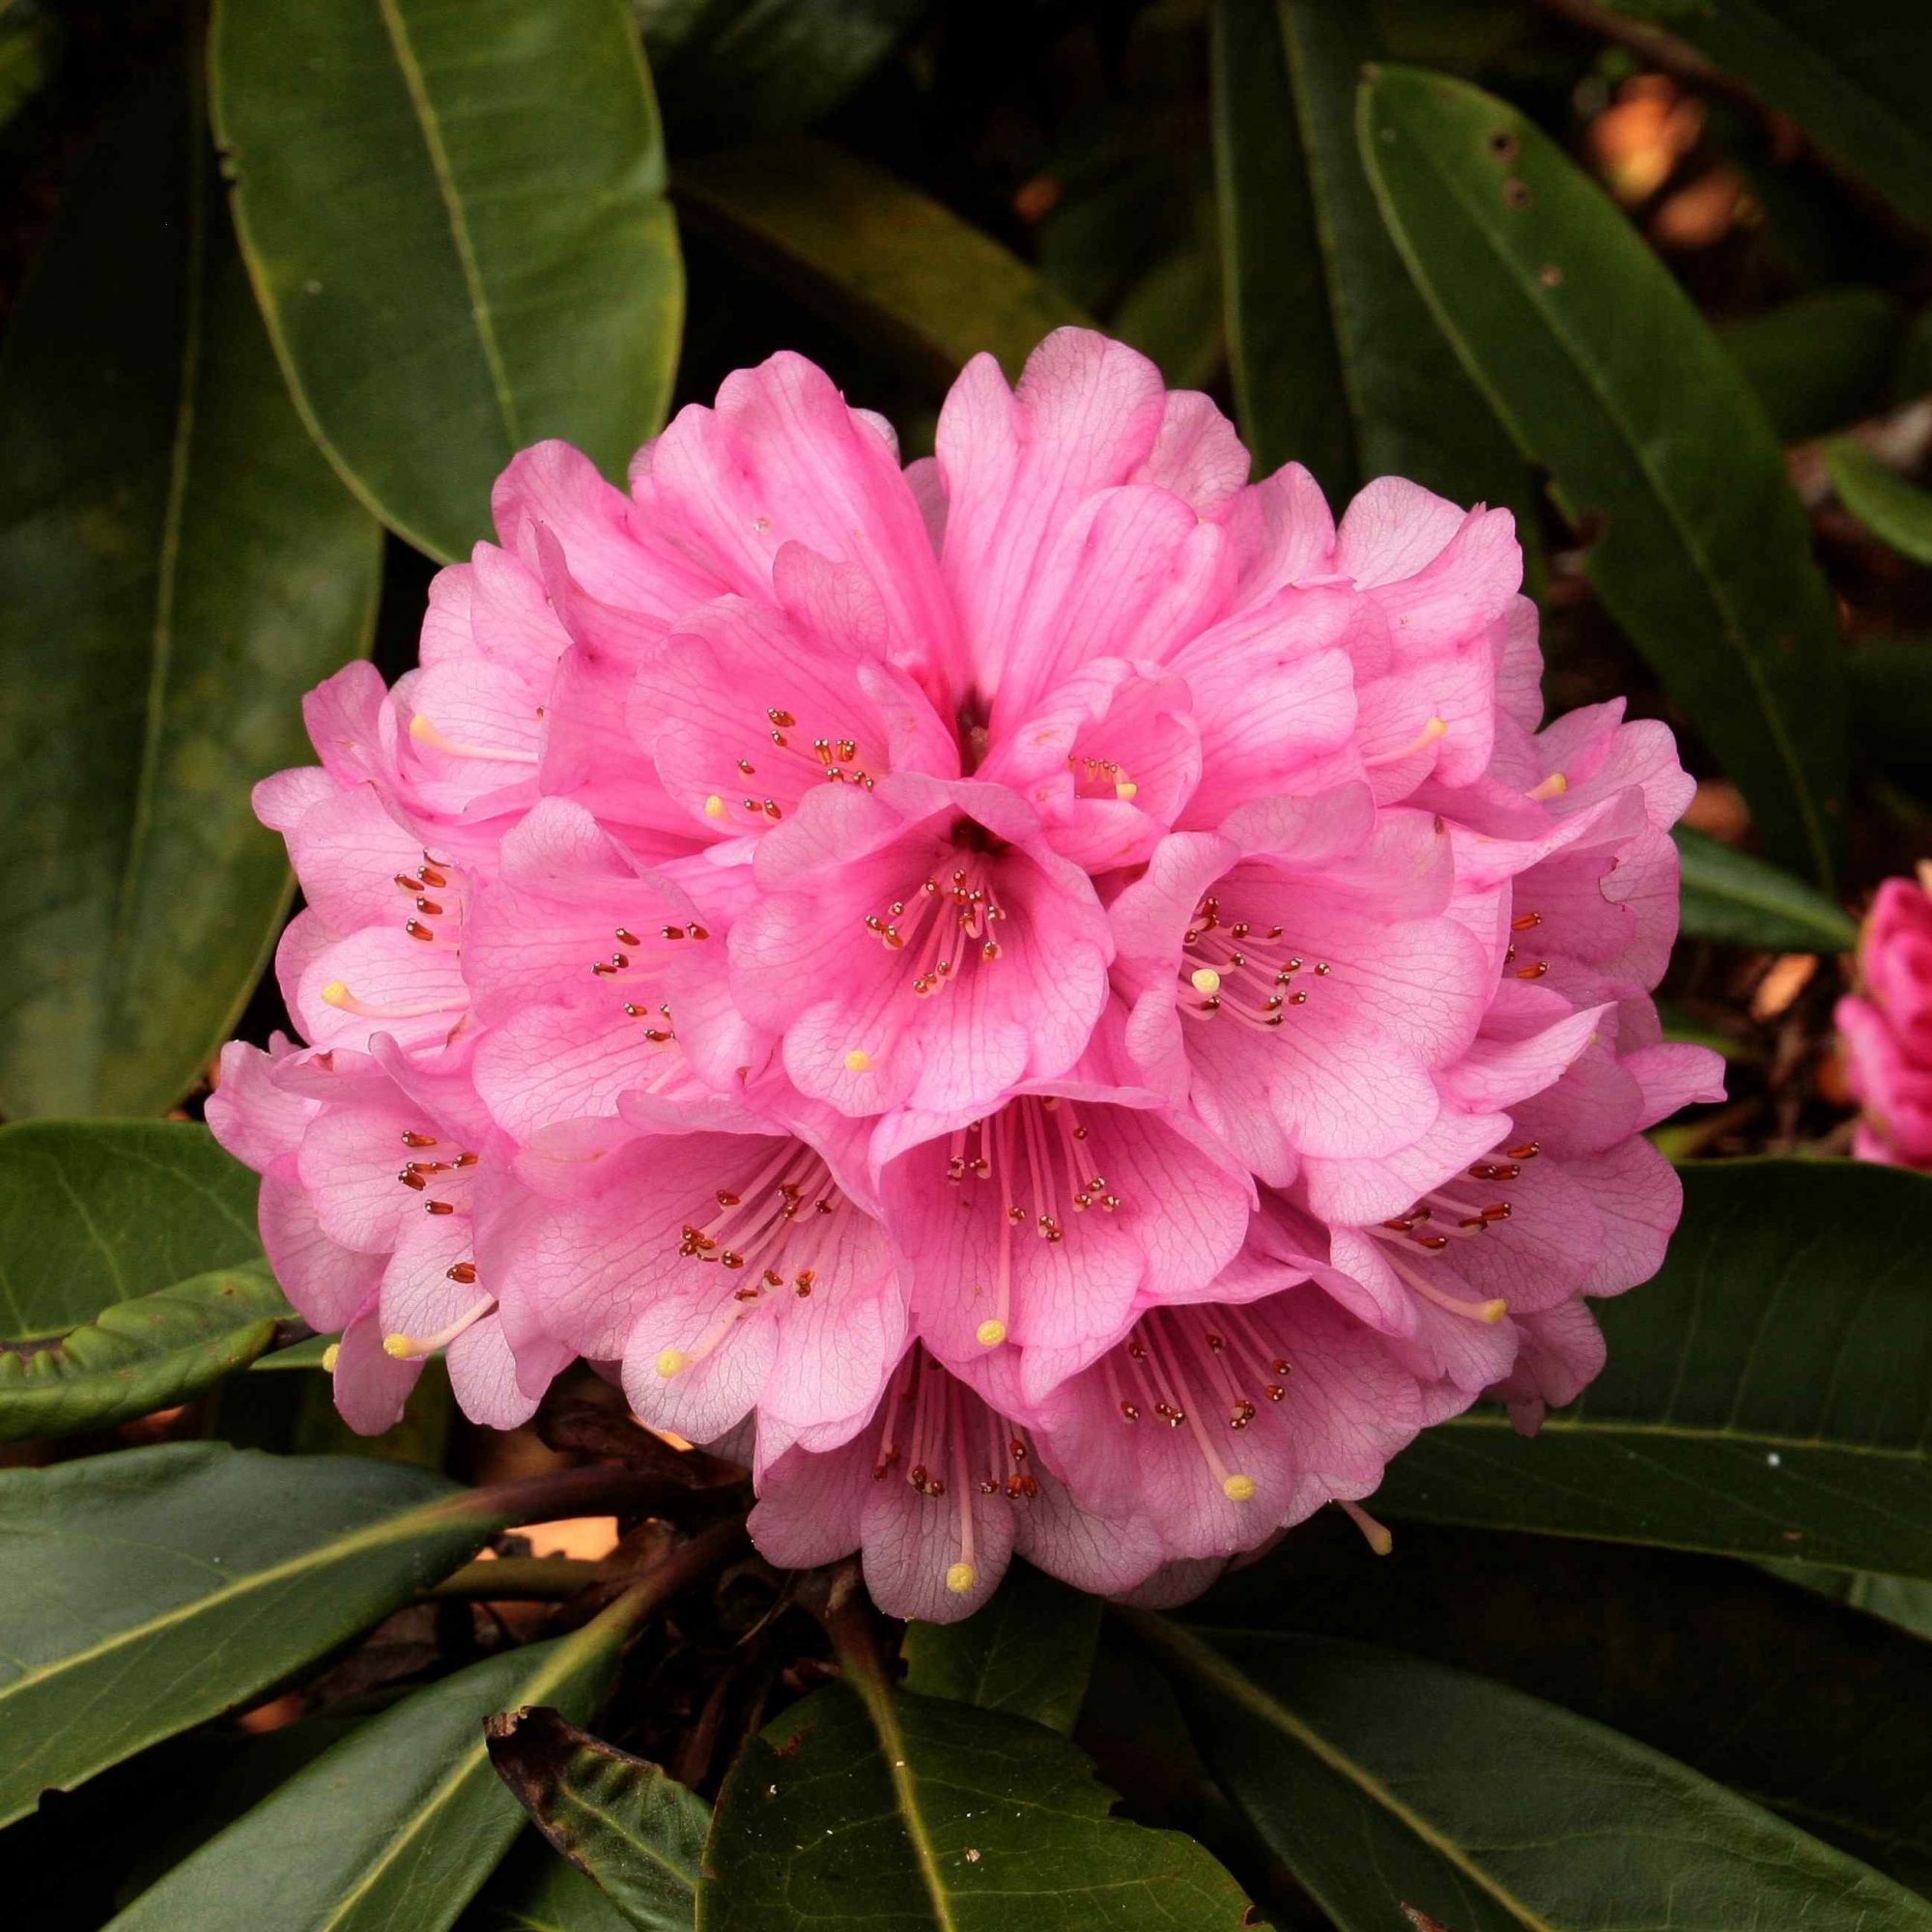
1337,362
534,1891
399,1824
140,1355
177,566
1029,1652
899,1813
455,221
1391,1787
209,1571
875,256
628,1825
1768,1394
749,70
1712,1661
95,1212
1821,361
1657,449
1896,512
1850,74
1730,895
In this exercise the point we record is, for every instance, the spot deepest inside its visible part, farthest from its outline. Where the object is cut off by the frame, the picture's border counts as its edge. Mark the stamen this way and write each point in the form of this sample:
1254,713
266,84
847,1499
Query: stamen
426,733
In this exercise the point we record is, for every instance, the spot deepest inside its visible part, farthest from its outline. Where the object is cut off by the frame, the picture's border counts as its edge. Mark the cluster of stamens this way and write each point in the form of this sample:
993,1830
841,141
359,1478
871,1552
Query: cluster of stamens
766,1231
831,761
1036,1152
1440,1217
1222,961
1526,922
417,1175
429,877
949,923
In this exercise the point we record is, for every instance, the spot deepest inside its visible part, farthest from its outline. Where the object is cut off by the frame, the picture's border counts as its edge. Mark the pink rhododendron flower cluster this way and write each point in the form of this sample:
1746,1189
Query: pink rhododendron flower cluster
1887,1028
1064,998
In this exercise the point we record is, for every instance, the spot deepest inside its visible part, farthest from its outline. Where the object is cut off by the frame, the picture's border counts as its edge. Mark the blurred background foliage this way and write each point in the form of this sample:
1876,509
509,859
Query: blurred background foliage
283,285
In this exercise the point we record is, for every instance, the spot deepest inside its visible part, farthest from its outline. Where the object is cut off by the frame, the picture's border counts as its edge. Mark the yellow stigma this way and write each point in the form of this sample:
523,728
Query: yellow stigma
714,806
399,1346
1204,981
960,1577
1238,1489
330,1355
858,1061
423,730
1553,786
1125,788
1491,1312
990,1333
1436,729
336,994
669,1361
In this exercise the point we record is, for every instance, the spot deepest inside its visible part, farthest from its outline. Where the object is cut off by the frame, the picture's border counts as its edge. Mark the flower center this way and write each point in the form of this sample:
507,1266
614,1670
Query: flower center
1441,1217
950,1443
1036,1159
944,925
765,1234
1202,1375
1238,969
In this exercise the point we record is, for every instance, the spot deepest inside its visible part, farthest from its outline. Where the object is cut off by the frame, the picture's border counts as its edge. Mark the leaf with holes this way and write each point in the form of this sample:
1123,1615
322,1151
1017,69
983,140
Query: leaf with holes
396,1826
1655,447
211,1571
1768,1394
860,1807
1388,1786
859,245
629,1826
177,566
455,225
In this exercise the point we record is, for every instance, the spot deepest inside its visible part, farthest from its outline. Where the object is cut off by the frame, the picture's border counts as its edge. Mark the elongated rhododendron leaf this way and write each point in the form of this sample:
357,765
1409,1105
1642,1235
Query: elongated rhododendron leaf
211,1570
1732,896
450,276
177,566
1655,447
1769,1394
1392,1786
400,1823
892,266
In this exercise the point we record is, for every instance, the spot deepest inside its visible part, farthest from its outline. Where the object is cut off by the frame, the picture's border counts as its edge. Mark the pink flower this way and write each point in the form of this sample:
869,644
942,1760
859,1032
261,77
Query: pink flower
1066,991
1887,1029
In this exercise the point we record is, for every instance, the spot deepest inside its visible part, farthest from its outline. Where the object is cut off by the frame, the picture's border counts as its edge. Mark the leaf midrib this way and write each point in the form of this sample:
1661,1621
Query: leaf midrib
1585,1425
430,123
878,1703
1209,1665
1733,633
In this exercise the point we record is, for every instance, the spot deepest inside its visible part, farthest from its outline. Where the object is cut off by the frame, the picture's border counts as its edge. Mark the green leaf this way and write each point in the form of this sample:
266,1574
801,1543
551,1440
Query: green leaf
177,566
904,1814
631,1826
1821,361
95,1212
1657,449
1743,901
396,1826
143,1592
1337,363
1392,1787
1805,1707
1768,1394
1895,512
876,257
747,69
534,1891
1849,73
455,222
140,1355
1029,1652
